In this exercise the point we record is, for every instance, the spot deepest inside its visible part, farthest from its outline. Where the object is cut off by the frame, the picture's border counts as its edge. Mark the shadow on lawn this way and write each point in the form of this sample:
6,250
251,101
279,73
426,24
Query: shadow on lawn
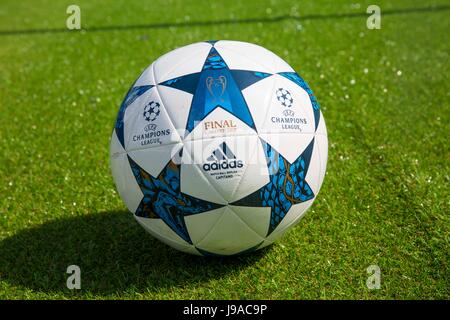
114,253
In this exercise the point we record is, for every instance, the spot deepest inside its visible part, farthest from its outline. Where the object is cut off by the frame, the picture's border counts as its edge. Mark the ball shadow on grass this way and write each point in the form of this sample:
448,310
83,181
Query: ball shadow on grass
113,252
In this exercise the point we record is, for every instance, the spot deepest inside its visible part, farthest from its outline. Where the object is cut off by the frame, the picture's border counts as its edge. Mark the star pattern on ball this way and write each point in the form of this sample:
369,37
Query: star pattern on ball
287,185
216,86
164,200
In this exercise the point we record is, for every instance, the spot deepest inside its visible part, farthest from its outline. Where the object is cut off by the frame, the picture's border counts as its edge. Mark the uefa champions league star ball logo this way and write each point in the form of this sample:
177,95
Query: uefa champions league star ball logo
151,133
284,97
151,111
288,120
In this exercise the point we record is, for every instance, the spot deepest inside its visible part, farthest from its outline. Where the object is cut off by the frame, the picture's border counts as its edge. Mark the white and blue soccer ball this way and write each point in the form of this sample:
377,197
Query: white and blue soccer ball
219,148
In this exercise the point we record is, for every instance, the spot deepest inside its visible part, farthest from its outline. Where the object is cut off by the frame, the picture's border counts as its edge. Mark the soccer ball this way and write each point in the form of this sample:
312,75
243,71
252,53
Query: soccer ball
219,148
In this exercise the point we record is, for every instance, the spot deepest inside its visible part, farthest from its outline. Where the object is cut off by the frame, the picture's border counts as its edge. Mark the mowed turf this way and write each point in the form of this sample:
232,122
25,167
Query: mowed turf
385,97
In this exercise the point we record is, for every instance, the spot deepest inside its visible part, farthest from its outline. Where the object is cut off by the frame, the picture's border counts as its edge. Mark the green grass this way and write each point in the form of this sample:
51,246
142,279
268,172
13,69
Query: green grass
385,197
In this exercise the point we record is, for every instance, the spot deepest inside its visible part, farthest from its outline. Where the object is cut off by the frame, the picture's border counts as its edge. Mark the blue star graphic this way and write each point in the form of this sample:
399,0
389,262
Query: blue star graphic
216,86
287,185
164,200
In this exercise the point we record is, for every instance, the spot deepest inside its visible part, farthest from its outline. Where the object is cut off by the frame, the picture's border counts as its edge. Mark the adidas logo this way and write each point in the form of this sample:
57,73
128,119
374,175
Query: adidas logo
221,159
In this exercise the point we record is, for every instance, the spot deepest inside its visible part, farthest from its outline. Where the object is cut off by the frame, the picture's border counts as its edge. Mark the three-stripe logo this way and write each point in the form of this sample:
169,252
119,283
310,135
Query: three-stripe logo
222,158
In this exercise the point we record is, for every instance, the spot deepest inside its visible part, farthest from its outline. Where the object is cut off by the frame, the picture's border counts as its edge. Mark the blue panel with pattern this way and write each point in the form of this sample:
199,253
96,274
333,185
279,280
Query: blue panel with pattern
186,83
287,185
216,86
132,95
246,78
293,76
163,198
214,61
